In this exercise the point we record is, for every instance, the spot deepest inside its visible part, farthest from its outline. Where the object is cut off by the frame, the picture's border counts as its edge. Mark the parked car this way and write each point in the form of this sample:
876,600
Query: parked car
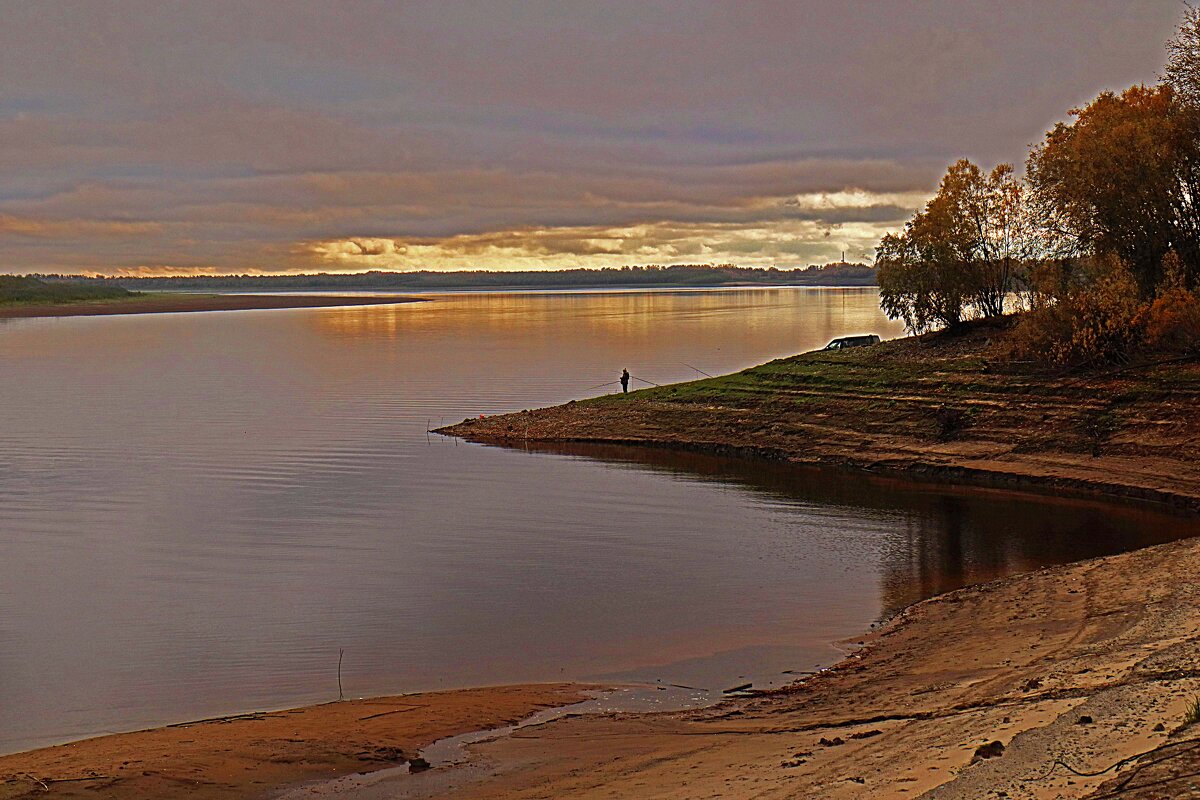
853,341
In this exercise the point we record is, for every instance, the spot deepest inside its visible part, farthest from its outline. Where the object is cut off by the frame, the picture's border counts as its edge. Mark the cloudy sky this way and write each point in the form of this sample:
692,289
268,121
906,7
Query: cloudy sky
272,136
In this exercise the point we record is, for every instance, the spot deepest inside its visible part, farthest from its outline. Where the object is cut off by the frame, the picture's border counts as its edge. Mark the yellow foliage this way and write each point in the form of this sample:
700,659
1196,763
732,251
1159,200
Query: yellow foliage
1092,315
1098,320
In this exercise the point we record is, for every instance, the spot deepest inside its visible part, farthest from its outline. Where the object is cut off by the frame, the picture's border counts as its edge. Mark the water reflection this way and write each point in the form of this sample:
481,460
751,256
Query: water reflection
940,537
198,511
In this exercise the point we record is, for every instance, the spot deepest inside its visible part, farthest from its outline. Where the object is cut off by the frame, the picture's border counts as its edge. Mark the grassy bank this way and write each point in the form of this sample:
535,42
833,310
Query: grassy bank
173,303
16,290
950,407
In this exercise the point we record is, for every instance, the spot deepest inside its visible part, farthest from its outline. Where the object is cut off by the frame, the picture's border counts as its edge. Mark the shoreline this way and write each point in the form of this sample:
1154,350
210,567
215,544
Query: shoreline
1084,664
187,303
1070,669
1010,688
1128,435
260,753
986,689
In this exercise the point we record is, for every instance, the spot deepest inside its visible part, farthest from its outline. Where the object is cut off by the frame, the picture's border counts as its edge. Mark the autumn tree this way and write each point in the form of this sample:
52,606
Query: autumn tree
1123,179
961,254
1183,58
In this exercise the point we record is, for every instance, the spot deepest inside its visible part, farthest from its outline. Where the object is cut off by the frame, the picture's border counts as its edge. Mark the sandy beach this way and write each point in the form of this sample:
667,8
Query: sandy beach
1070,670
258,754
176,303
1037,686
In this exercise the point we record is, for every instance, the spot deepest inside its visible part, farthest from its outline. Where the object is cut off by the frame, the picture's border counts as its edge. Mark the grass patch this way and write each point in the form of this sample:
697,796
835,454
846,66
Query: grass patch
1192,715
19,290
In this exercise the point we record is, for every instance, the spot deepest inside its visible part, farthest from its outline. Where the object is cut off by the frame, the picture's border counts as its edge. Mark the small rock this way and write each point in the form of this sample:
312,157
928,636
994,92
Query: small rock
417,764
1033,683
1159,728
1084,720
834,742
865,734
989,750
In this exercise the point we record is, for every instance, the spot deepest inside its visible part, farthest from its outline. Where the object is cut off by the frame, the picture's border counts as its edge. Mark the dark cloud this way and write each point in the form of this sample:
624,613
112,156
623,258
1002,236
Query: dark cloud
260,135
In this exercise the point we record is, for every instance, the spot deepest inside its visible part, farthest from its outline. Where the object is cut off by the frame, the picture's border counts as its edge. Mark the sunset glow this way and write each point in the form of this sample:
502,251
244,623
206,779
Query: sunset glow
215,138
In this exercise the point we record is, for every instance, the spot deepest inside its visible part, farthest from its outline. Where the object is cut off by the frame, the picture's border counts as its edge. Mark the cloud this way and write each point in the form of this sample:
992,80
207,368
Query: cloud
779,242
234,137
71,229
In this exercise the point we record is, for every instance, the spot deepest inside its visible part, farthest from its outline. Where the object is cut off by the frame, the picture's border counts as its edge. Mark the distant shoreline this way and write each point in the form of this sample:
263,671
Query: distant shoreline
695,276
184,303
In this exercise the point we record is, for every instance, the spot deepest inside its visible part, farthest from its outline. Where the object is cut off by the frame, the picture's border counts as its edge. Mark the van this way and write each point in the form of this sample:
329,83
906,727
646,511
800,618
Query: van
853,341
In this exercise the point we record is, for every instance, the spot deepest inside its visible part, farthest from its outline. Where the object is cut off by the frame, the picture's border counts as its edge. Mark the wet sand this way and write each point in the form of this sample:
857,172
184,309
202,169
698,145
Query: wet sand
175,303
1071,668
259,754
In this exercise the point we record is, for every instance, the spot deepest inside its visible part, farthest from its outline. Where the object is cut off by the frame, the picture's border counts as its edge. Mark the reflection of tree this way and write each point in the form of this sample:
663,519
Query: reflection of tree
937,538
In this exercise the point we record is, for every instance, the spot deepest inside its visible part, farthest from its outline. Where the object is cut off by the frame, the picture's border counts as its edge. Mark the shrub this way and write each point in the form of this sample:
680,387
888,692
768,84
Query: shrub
1172,321
1095,318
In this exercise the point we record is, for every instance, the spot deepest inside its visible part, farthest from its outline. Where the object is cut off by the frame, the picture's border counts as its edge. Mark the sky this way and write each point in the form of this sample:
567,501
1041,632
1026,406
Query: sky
168,137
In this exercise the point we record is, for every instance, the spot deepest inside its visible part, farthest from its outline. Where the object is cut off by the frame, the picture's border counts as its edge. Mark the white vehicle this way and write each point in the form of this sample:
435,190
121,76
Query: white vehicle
853,341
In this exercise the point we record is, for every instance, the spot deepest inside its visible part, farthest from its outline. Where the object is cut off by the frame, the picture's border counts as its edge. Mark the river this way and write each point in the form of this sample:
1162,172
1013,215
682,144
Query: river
198,512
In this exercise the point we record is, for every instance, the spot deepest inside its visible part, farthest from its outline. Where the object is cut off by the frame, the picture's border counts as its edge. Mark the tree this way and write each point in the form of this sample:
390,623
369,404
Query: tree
960,254
1124,179
1182,72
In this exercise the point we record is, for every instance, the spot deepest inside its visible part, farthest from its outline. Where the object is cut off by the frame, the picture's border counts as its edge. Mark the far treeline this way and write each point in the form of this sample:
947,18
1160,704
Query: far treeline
684,275
1097,246
25,290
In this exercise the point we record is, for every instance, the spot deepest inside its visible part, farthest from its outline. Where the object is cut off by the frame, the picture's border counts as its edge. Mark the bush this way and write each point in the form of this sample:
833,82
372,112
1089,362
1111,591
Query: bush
1096,318
1172,321
1085,313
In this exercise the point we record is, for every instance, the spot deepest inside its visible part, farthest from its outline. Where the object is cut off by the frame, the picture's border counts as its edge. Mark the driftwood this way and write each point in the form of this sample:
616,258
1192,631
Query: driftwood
404,710
44,782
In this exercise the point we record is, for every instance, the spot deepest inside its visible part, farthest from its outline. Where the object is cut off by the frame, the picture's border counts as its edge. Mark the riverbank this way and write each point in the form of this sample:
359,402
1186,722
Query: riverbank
259,754
1008,689
942,408
178,303
1020,662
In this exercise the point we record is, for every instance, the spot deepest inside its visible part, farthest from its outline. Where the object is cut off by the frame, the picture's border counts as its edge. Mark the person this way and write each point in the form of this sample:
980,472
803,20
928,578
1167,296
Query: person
625,381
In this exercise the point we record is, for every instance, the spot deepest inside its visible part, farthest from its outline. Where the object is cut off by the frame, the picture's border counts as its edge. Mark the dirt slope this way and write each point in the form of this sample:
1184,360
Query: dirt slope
945,408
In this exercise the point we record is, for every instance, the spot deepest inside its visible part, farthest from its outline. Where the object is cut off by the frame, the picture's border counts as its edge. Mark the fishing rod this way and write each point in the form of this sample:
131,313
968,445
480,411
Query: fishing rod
600,385
635,377
689,366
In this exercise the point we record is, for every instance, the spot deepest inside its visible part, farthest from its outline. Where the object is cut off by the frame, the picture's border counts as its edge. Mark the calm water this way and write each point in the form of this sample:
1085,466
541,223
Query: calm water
197,511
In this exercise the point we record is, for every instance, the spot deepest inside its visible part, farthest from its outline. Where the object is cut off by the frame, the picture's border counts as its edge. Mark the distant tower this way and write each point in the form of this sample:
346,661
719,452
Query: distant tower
843,256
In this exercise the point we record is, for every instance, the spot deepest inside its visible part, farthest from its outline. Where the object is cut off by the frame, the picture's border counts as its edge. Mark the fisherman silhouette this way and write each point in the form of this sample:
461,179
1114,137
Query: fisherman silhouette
625,381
